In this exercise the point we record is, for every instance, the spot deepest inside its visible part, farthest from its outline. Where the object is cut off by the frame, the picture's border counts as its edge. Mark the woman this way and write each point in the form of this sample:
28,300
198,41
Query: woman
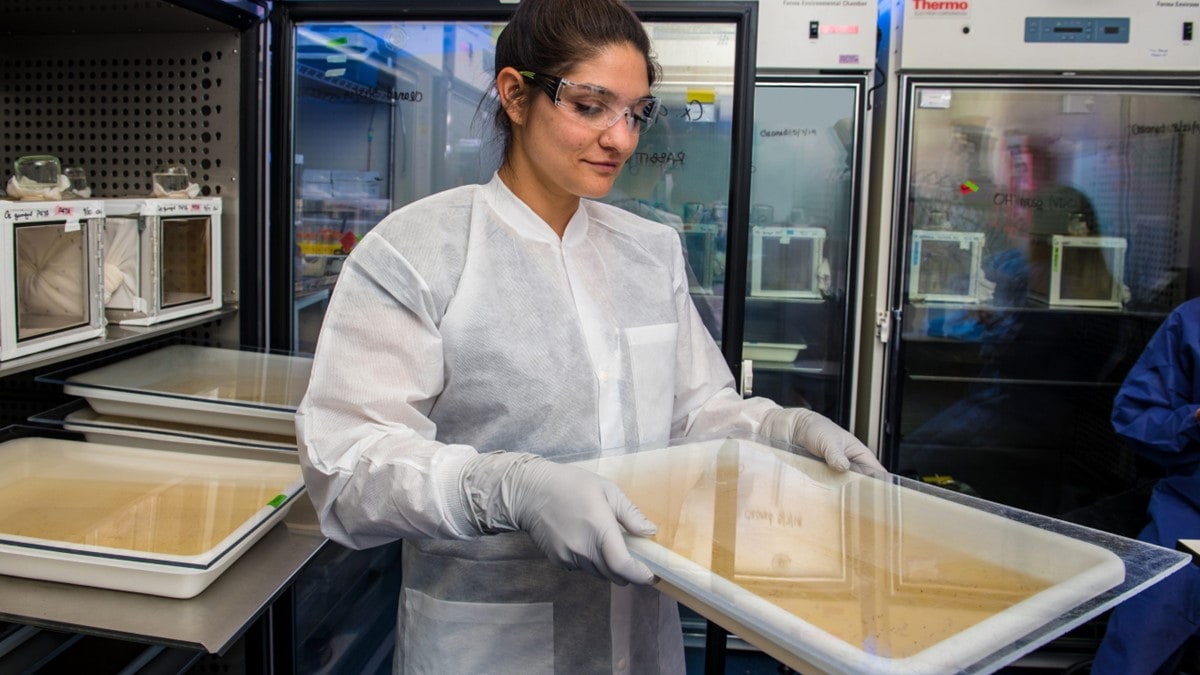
475,333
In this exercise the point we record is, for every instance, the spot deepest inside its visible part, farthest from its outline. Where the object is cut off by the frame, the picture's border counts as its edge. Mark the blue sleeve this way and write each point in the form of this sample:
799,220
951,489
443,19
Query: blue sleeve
1155,408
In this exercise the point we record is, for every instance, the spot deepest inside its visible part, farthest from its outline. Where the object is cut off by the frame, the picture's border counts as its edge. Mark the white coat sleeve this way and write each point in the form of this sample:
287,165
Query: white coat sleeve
706,399
366,445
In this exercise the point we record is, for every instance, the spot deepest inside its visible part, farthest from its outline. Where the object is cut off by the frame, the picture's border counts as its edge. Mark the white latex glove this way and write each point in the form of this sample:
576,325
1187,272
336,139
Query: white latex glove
822,437
574,516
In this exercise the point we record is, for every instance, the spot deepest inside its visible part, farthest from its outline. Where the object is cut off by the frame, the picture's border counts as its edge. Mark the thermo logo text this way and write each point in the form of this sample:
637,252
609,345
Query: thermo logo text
940,5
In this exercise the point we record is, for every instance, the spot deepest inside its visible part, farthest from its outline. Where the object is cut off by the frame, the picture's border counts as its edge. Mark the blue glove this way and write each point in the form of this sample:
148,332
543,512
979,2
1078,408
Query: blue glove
574,516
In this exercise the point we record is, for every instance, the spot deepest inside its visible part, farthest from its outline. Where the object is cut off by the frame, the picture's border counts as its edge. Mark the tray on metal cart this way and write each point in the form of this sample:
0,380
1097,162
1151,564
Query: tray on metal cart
841,572
158,522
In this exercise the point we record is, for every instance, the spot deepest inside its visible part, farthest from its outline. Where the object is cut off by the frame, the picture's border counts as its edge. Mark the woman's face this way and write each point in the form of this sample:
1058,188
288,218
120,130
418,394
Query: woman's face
560,156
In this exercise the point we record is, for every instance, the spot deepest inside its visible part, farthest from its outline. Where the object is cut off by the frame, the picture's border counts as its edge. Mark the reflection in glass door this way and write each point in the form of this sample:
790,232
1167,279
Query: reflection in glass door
804,194
386,113
680,173
1049,227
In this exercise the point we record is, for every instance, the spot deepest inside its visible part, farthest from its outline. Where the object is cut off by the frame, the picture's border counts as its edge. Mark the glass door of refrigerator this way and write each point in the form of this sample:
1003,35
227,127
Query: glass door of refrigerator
680,173
1048,230
803,206
385,113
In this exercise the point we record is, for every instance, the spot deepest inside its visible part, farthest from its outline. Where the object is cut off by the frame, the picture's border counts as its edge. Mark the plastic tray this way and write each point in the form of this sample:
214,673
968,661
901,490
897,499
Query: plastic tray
206,386
134,519
158,434
771,351
841,572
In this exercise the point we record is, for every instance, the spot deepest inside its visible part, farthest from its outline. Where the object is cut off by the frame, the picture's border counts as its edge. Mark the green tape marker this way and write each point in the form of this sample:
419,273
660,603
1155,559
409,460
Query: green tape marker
279,499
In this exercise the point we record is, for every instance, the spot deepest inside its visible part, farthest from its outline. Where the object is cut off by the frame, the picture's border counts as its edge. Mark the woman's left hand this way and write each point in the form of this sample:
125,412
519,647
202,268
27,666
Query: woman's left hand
822,437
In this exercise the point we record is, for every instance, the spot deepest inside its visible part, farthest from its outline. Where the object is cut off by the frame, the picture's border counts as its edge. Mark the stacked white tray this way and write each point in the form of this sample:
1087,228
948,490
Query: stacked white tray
153,521
181,442
200,386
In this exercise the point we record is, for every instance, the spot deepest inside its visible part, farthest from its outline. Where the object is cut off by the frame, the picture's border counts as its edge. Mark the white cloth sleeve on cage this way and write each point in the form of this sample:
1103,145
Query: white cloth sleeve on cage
18,191
121,265
49,272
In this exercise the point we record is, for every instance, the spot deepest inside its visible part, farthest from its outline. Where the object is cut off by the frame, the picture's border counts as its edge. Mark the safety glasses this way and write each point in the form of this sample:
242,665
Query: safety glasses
595,106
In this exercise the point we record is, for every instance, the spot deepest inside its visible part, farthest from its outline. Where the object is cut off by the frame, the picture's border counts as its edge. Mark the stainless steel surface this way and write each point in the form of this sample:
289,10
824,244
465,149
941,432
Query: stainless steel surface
116,336
211,621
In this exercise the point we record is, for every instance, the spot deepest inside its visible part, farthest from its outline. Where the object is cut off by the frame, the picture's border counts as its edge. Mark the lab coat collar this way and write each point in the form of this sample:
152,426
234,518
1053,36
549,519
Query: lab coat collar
517,215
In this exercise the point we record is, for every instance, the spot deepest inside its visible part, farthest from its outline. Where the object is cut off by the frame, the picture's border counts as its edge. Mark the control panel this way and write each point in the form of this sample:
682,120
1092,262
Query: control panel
1039,35
1075,29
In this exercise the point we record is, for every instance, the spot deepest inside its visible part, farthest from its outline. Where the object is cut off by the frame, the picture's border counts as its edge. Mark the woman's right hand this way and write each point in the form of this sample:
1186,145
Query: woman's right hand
574,516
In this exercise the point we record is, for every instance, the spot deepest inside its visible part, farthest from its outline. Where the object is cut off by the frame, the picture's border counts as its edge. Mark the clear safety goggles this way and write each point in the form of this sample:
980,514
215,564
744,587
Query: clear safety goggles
596,106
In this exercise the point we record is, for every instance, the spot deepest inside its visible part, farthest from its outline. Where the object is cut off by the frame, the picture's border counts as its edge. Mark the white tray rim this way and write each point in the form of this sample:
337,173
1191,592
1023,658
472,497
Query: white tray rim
51,548
832,654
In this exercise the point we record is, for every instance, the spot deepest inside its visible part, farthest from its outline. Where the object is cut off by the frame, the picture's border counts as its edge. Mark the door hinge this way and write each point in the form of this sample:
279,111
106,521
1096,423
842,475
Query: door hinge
883,325
747,378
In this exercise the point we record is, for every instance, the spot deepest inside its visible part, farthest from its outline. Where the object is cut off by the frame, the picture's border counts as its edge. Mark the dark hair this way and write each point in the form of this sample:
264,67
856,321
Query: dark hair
553,36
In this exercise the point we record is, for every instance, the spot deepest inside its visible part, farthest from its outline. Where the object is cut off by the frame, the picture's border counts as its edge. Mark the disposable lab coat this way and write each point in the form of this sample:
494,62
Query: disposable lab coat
463,324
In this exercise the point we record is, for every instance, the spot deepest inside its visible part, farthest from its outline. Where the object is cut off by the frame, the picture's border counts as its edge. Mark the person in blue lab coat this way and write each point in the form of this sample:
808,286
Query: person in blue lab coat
1157,410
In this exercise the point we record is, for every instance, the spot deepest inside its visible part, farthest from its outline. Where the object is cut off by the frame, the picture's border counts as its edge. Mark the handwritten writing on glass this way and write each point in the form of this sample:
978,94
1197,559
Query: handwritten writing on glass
775,133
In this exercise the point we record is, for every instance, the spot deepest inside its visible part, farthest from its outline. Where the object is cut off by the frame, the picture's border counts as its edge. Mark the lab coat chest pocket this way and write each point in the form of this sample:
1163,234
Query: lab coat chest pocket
652,352
442,636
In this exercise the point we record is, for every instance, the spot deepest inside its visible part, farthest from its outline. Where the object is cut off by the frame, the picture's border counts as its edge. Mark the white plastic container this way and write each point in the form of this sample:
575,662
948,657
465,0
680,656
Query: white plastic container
785,261
944,266
205,386
843,573
133,519
157,434
1077,271
778,352
50,262
162,258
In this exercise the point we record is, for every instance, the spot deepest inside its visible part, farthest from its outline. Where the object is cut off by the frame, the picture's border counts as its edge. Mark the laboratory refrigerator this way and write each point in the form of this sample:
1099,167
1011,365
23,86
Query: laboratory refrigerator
814,69
1043,221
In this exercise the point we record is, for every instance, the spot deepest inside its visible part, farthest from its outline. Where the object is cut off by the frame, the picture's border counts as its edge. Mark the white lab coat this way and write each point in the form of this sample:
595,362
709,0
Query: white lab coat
463,324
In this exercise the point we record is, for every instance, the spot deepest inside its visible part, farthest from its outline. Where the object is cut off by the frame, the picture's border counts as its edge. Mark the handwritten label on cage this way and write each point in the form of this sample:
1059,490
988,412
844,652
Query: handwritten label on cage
71,213
68,215
177,207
